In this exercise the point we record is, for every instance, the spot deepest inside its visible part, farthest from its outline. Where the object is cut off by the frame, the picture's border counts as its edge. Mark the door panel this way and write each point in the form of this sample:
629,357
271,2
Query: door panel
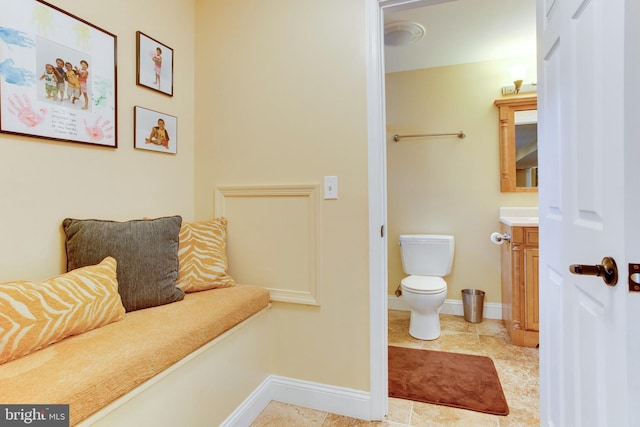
588,106
531,304
581,106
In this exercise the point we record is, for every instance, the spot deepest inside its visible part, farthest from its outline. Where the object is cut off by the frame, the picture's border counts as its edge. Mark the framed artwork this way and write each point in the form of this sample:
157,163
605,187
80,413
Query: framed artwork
57,75
154,62
155,131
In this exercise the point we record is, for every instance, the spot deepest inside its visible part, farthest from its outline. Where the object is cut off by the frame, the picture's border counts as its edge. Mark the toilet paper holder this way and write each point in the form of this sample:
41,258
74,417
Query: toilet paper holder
500,238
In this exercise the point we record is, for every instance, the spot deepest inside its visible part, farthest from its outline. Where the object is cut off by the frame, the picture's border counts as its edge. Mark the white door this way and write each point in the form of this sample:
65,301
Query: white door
587,343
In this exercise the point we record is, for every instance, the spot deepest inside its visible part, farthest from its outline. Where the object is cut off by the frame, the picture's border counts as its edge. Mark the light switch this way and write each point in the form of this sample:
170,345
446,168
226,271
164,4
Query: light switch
330,187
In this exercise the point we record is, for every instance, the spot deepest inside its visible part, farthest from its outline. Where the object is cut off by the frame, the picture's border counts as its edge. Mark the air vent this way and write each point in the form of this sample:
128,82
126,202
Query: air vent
402,33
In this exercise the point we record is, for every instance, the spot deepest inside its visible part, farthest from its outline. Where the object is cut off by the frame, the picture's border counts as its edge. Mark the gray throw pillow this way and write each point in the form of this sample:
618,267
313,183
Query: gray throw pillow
146,252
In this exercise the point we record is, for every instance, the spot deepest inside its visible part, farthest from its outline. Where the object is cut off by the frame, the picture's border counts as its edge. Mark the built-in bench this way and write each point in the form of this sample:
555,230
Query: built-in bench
191,362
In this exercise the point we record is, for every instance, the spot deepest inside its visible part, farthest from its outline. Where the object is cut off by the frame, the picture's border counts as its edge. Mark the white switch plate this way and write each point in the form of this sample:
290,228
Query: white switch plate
330,187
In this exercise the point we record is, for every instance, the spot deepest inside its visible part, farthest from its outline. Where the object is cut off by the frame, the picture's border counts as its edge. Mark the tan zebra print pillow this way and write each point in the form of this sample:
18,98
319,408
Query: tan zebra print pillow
34,315
202,256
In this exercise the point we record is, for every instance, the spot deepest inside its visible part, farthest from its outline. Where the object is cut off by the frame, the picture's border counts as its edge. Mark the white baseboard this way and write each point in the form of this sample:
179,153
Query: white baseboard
321,397
490,310
327,398
251,407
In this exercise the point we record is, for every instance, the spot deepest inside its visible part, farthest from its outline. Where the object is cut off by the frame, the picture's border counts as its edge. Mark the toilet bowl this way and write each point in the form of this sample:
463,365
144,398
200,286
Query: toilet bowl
427,258
425,296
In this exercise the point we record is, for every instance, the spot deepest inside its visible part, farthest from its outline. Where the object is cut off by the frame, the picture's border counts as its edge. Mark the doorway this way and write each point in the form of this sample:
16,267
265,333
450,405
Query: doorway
385,251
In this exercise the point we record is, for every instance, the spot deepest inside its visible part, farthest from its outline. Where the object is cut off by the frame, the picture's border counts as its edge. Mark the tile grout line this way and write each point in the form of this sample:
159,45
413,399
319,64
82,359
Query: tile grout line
326,414
411,413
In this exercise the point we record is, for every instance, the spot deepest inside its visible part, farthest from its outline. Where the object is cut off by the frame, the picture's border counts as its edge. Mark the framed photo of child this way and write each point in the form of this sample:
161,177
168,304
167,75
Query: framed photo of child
154,61
58,75
155,131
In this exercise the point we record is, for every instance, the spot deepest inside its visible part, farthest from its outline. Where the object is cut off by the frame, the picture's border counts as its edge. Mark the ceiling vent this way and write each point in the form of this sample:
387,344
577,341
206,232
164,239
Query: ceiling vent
402,33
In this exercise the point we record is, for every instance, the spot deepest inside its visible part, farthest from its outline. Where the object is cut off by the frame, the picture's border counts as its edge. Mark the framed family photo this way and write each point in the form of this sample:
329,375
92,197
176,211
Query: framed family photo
58,75
154,64
155,131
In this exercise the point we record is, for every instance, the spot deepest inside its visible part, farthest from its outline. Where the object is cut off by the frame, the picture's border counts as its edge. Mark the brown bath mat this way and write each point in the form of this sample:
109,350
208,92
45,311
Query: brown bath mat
450,379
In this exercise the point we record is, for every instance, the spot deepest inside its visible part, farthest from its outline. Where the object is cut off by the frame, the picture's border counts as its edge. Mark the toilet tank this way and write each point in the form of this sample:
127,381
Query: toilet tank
427,254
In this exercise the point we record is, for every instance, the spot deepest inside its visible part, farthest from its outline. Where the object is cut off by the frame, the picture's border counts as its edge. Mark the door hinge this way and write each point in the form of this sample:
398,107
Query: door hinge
382,230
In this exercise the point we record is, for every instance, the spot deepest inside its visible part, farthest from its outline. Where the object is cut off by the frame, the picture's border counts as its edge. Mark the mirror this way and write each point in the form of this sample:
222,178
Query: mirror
518,121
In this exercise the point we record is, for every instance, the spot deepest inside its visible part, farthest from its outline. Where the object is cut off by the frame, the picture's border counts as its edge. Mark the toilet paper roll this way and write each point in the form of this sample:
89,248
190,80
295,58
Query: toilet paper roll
497,238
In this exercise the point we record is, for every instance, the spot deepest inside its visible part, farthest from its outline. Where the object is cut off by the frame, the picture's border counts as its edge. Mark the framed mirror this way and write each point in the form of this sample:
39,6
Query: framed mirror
518,124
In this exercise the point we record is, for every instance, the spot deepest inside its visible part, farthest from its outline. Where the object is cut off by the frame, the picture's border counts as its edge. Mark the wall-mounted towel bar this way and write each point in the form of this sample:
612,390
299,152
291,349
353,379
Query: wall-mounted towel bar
460,135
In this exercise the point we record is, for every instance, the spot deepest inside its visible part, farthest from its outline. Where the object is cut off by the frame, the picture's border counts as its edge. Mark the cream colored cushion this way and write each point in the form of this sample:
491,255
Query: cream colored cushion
34,315
202,256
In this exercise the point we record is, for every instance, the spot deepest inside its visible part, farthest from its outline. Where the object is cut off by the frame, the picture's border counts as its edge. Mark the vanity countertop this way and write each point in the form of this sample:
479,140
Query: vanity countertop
520,221
519,217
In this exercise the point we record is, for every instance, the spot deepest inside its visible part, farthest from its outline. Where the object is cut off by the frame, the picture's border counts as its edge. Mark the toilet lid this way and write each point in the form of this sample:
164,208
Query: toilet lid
424,284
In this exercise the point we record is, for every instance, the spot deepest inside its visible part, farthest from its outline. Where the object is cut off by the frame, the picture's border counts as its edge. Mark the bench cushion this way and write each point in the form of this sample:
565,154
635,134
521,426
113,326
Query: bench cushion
90,370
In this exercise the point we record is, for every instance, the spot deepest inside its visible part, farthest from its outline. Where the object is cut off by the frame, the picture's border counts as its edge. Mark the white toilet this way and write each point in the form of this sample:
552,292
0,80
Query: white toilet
427,258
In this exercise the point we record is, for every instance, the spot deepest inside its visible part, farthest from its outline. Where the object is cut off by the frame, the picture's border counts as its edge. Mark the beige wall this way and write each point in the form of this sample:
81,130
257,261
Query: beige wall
42,182
282,102
278,101
449,185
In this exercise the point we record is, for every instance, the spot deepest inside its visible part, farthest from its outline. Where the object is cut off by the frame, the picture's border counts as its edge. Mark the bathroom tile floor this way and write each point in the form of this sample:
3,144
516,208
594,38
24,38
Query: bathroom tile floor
517,368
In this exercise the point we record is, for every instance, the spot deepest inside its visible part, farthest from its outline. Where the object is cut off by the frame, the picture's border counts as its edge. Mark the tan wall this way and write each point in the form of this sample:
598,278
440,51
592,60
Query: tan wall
449,185
283,102
280,101
42,181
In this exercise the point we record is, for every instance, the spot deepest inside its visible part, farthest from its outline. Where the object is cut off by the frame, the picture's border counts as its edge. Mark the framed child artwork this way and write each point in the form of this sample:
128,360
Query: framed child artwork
58,75
154,61
155,131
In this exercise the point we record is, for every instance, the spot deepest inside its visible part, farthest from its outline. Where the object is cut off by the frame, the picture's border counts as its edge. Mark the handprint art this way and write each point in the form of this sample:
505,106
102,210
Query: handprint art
102,92
43,17
15,75
83,37
99,131
22,109
15,37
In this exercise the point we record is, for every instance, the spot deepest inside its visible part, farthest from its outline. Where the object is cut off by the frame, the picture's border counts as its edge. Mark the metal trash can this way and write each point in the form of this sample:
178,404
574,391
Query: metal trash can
472,303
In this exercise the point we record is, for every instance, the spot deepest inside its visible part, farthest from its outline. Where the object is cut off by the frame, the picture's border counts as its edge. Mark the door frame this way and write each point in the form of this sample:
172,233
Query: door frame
632,206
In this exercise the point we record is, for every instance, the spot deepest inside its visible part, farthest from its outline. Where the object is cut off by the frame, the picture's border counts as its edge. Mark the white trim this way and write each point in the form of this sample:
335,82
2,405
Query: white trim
251,407
490,310
321,397
378,340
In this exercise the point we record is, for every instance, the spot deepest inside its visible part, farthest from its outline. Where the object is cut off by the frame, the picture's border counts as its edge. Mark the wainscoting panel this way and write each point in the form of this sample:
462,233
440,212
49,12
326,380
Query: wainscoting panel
273,238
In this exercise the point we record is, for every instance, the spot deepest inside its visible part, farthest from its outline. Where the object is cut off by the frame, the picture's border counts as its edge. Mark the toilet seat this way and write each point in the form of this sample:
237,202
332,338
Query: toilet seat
424,284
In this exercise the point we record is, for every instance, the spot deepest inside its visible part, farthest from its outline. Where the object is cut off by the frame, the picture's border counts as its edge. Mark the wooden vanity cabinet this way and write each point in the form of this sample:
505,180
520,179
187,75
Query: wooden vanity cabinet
519,260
